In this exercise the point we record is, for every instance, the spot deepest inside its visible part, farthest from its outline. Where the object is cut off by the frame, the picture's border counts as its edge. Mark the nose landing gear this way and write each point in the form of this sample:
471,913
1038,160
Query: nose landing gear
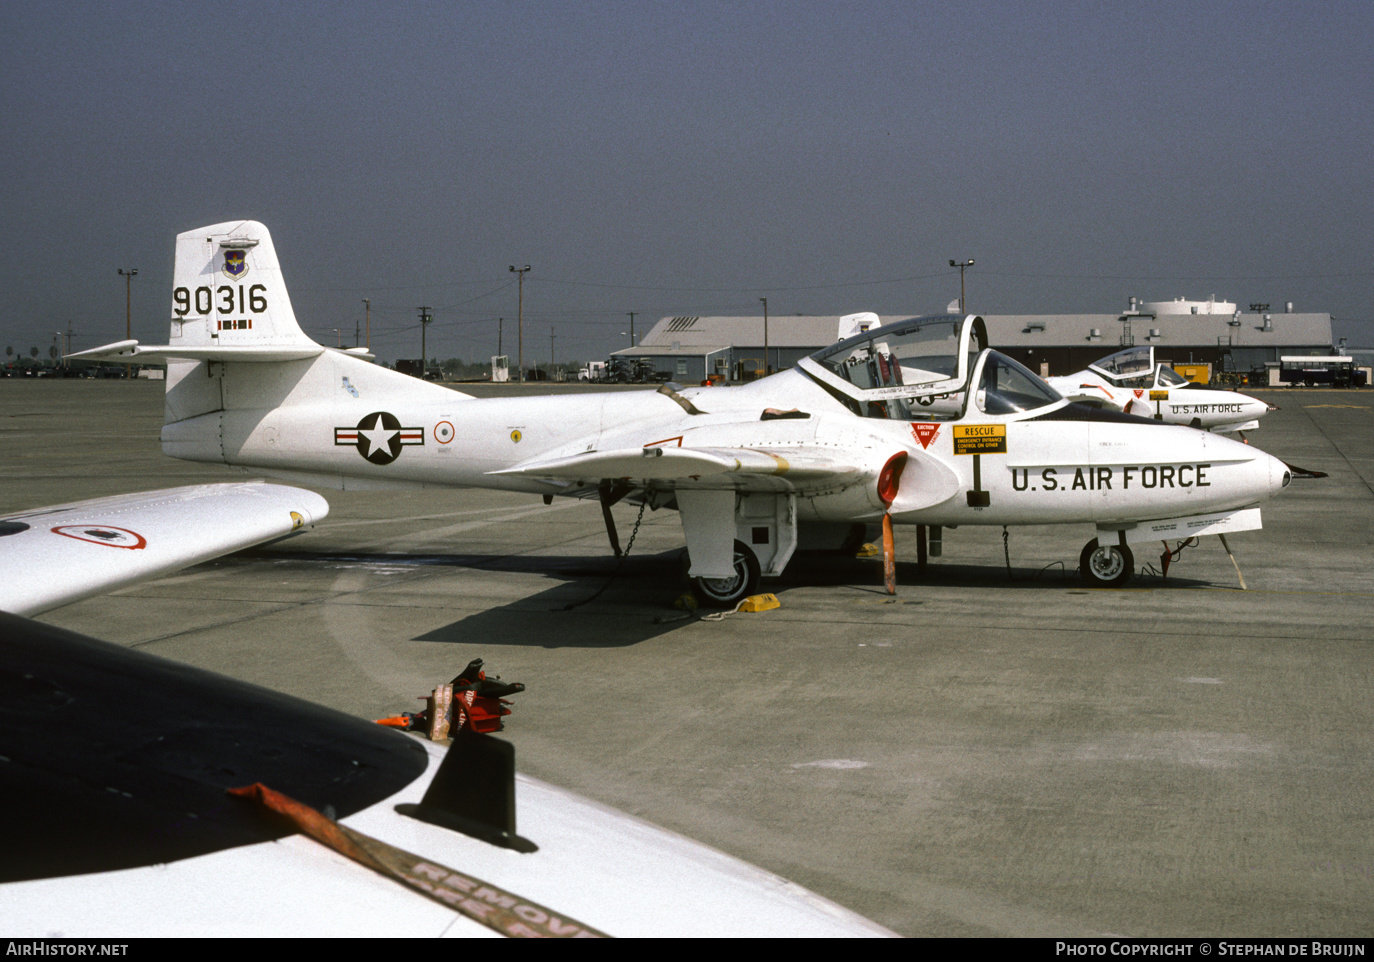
1106,566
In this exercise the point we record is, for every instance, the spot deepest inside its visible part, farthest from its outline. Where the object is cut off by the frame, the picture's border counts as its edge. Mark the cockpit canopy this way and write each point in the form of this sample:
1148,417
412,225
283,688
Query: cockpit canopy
920,369
1135,367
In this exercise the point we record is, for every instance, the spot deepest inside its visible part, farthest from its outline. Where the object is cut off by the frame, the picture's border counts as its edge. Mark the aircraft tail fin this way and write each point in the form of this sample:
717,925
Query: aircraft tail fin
228,290
229,302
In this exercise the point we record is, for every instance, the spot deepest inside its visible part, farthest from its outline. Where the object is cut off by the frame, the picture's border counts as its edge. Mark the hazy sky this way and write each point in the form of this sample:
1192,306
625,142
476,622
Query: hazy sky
685,158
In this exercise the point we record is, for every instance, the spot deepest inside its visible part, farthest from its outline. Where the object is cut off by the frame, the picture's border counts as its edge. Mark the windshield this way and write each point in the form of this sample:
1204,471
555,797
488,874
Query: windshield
1007,387
1168,377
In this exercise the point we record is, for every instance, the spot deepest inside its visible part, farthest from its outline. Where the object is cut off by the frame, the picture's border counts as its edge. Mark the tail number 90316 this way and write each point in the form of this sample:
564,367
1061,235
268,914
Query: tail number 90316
225,298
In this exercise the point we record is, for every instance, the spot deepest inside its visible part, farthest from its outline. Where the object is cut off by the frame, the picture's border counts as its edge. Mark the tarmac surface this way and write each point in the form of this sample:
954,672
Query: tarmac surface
982,755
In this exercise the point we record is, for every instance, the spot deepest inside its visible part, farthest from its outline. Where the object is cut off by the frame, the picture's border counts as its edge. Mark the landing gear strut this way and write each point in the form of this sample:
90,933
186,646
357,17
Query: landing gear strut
728,592
1106,566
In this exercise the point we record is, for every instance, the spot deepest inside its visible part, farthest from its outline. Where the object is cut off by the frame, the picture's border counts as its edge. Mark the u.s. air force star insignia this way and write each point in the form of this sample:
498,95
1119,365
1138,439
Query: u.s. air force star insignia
379,437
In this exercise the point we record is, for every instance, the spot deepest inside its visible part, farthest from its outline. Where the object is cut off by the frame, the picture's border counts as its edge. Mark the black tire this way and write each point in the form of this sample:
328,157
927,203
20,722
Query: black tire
1108,566
728,592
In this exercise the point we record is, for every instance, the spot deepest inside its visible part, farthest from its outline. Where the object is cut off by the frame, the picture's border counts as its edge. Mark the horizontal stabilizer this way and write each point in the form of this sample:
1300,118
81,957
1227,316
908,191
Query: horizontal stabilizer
135,352
667,464
53,556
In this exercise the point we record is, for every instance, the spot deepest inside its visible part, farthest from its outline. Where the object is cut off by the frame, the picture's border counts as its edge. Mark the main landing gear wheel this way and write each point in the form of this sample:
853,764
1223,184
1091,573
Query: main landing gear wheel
728,592
1106,566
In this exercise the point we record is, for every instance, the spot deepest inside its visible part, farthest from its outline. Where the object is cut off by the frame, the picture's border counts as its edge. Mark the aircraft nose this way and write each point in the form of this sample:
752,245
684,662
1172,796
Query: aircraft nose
1279,475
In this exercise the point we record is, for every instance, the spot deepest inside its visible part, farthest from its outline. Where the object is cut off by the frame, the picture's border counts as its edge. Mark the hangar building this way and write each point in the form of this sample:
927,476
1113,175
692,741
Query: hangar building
689,349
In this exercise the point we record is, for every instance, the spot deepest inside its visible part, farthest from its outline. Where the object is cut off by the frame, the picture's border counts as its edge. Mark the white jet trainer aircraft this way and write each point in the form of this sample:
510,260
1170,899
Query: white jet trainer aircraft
912,423
1131,381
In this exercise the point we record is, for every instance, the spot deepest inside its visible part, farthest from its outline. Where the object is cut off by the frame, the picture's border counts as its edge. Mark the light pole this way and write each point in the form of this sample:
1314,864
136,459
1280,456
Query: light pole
765,335
425,318
520,319
961,265
632,326
128,276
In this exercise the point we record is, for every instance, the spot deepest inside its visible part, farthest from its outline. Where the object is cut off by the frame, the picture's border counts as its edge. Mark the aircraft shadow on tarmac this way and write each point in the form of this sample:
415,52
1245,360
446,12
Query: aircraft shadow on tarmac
631,601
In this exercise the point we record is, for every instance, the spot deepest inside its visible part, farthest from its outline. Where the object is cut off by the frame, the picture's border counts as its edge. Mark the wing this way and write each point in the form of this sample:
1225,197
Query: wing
53,556
732,467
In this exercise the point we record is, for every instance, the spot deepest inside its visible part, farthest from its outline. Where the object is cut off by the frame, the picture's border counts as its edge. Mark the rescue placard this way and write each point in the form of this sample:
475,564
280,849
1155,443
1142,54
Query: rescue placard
1159,395
980,439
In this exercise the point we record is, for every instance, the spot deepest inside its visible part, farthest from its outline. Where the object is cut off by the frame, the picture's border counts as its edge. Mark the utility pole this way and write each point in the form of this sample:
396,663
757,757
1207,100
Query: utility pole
765,336
632,327
961,265
425,318
520,319
500,324
551,335
367,304
128,276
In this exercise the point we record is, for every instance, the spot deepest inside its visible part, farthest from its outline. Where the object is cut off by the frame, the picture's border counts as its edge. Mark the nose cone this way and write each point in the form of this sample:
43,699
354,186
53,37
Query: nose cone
1279,475
1257,476
1253,407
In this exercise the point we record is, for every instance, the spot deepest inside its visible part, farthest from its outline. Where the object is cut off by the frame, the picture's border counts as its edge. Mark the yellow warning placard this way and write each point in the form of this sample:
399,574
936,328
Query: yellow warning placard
980,439
1159,395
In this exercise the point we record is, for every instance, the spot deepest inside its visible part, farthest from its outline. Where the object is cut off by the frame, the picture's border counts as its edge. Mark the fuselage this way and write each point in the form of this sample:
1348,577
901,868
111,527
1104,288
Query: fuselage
345,423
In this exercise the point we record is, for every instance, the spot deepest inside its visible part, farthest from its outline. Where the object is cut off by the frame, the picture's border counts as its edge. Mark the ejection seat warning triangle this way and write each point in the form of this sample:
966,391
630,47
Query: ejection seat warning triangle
925,433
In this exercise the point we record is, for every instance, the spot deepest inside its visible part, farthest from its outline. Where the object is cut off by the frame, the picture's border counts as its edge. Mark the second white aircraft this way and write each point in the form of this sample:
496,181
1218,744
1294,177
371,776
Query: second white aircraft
1131,381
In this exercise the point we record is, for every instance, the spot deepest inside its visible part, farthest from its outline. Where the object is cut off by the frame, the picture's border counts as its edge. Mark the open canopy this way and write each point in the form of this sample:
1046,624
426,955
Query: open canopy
921,369
1136,367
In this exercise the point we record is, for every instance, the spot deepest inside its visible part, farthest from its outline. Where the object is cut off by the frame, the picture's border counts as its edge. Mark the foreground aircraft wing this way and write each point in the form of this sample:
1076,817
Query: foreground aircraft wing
730,466
118,766
53,556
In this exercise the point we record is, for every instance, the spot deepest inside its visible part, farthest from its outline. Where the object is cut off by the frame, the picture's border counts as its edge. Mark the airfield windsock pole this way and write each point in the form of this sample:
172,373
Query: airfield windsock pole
520,319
